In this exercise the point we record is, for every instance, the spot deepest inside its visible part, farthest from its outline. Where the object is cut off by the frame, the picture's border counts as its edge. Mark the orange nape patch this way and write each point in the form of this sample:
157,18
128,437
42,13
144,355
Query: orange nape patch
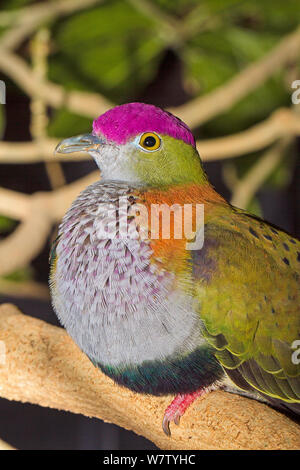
171,225
182,194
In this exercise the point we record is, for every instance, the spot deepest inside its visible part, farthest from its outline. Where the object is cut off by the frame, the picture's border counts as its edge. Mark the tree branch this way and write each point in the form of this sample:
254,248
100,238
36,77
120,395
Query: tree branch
283,121
80,102
246,188
26,242
193,113
204,108
53,203
29,19
44,366
27,289
5,446
37,213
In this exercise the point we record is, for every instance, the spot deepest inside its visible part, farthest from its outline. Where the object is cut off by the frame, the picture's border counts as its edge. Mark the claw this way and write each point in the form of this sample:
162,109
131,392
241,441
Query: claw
177,420
177,408
166,426
166,423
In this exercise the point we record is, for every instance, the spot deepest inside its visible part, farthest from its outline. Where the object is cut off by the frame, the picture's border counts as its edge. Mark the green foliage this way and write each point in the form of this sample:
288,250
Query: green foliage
6,224
66,123
20,275
254,207
281,176
111,49
14,4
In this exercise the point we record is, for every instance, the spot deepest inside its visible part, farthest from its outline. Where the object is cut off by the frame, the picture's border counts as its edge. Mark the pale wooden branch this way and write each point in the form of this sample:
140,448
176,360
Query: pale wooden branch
52,203
283,121
5,446
43,366
27,20
35,151
39,50
168,27
246,188
13,204
204,108
26,242
37,212
27,289
193,113
80,102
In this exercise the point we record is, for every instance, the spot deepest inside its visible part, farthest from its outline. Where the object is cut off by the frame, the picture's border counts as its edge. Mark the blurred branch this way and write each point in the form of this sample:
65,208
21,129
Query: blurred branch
25,289
39,49
194,113
13,204
27,240
37,214
45,367
246,188
29,19
80,102
54,203
283,121
5,446
218,101
168,27
32,152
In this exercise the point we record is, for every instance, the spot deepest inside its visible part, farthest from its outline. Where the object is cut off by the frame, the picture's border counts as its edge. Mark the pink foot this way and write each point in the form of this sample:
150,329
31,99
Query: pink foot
178,407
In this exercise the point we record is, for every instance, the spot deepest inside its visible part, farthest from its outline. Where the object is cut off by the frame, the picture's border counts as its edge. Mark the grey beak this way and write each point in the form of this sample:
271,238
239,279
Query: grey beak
79,143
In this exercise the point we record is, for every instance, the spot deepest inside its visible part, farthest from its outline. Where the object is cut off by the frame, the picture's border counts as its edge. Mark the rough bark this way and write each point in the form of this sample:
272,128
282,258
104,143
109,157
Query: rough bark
44,366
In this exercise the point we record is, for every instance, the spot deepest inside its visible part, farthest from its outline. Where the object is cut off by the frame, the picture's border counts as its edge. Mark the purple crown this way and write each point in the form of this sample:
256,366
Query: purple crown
128,120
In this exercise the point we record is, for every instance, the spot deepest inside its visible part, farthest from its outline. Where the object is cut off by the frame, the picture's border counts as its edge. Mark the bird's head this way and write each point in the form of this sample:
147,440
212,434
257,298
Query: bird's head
140,143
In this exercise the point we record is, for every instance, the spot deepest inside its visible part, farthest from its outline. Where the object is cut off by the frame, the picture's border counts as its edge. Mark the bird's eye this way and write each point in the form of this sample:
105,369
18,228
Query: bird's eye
150,141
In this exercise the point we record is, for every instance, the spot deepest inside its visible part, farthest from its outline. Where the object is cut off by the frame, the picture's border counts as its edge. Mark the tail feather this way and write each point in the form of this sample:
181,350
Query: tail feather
239,380
285,406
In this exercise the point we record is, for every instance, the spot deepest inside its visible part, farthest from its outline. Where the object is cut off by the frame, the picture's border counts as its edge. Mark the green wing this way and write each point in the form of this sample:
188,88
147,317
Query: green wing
248,292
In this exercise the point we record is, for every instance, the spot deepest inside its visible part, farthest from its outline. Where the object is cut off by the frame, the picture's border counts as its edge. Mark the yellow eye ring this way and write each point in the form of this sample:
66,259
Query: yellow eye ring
150,141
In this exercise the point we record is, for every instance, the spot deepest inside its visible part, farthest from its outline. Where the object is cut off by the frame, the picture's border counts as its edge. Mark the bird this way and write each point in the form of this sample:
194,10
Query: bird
179,313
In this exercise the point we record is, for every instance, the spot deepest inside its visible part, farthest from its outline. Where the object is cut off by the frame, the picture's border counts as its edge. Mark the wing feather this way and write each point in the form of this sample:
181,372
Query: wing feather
250,302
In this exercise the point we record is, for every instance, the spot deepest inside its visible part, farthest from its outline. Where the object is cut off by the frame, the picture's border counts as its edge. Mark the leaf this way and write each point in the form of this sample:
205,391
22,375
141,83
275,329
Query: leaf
111,49
255,208
6,224
64,123
14,4
20,275
282,175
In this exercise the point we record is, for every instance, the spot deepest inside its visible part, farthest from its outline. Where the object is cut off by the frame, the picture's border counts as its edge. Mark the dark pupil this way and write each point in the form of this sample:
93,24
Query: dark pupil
149,141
